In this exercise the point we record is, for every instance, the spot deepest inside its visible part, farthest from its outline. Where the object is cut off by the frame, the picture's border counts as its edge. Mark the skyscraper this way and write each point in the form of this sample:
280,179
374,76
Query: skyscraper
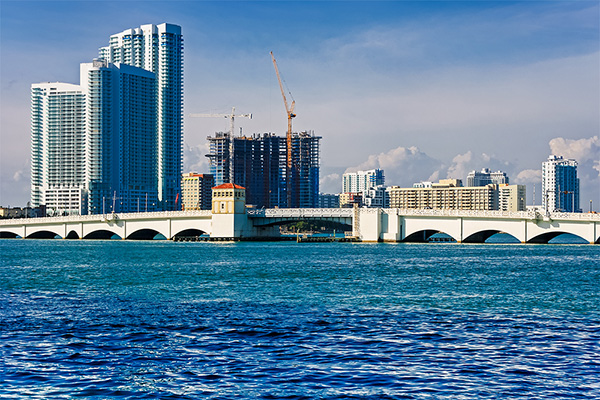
57,148
158,48
560,185
121,140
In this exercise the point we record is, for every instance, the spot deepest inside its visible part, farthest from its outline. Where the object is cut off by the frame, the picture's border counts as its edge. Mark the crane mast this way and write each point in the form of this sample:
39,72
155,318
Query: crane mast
290,115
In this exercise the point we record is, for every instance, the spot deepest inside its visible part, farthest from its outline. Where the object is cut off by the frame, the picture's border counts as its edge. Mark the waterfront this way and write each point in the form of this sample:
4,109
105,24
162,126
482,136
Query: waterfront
121,319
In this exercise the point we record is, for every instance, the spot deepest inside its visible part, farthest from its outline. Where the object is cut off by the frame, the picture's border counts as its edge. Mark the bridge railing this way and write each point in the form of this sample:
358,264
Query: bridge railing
300,212
498,214
108,217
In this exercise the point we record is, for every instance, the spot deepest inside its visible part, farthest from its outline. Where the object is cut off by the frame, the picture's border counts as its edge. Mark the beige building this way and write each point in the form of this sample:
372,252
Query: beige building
347,200
445,195
196,191
228,198
511,197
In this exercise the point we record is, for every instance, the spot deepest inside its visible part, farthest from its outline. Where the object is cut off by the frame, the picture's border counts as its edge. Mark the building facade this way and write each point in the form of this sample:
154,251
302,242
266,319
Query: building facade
159,49
196,191
485,177
450,197
376,197
329,200
121,140
560,185
349,200
360,181
512,198
58,173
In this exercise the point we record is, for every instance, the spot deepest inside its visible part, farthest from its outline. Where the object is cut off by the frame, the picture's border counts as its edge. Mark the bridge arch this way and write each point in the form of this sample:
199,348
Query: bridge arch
102,234
545,238
191,232
484,235
44,234
422,236
144,234
72,235
9,235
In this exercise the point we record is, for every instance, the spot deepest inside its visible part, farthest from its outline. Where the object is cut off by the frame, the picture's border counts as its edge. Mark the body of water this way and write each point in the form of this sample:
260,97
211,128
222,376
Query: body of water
157,319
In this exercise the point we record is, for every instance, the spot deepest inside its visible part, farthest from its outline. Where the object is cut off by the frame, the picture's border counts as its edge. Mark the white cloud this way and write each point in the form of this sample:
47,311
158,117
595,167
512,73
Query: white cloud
402,166
458,169
331,183
21,175
581,150
194,159
526,176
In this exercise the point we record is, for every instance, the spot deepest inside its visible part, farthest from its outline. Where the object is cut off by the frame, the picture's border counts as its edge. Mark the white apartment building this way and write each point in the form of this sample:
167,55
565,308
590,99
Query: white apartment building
560,185
57,148
158,48
357,182
121,137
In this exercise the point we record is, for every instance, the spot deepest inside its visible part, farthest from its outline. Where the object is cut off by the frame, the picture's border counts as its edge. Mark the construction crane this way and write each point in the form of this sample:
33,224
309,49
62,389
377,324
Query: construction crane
290,115
232,117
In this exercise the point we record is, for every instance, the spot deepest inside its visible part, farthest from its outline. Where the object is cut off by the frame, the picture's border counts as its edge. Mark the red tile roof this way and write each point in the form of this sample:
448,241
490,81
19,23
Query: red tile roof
229,186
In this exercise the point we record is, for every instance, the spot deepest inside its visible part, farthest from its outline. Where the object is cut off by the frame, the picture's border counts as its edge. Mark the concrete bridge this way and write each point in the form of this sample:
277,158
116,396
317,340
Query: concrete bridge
367,224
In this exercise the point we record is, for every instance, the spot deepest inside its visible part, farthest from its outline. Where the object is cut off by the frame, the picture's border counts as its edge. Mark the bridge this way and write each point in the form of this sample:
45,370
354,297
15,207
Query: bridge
367,225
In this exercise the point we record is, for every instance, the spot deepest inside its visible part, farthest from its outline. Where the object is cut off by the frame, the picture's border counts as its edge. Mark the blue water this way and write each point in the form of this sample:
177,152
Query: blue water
121,319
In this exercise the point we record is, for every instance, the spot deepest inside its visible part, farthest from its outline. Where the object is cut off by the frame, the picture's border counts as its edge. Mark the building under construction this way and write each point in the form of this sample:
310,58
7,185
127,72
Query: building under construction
259,163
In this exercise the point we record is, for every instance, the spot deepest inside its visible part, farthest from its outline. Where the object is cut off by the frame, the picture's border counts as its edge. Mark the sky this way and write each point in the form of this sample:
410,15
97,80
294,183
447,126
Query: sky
425,90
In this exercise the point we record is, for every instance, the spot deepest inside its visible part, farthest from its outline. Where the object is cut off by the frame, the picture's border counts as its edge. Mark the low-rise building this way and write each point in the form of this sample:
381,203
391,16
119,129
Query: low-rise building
348,200
376,197
329,200
445,195
196,191
512,197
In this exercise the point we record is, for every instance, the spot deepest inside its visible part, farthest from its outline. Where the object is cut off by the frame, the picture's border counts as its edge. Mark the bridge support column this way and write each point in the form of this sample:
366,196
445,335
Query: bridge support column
370,224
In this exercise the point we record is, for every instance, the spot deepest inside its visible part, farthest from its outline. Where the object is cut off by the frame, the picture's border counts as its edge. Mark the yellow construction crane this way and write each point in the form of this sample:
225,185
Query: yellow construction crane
290,115
231,116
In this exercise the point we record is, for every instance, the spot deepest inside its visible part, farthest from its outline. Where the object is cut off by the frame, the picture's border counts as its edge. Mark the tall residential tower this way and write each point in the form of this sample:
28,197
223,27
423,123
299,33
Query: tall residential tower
159,49
560,185
57,148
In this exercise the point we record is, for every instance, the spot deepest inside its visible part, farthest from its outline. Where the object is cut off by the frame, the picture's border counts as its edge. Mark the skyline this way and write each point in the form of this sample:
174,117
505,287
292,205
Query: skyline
423,90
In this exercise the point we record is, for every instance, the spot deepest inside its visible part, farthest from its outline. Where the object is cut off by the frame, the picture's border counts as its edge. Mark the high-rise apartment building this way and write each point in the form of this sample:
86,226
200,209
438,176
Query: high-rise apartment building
560,185
121,140
158,48
486,177
357,182
258,163
57,148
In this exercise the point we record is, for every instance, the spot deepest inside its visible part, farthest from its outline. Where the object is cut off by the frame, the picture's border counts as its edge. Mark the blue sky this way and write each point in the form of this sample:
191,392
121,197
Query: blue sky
424,89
